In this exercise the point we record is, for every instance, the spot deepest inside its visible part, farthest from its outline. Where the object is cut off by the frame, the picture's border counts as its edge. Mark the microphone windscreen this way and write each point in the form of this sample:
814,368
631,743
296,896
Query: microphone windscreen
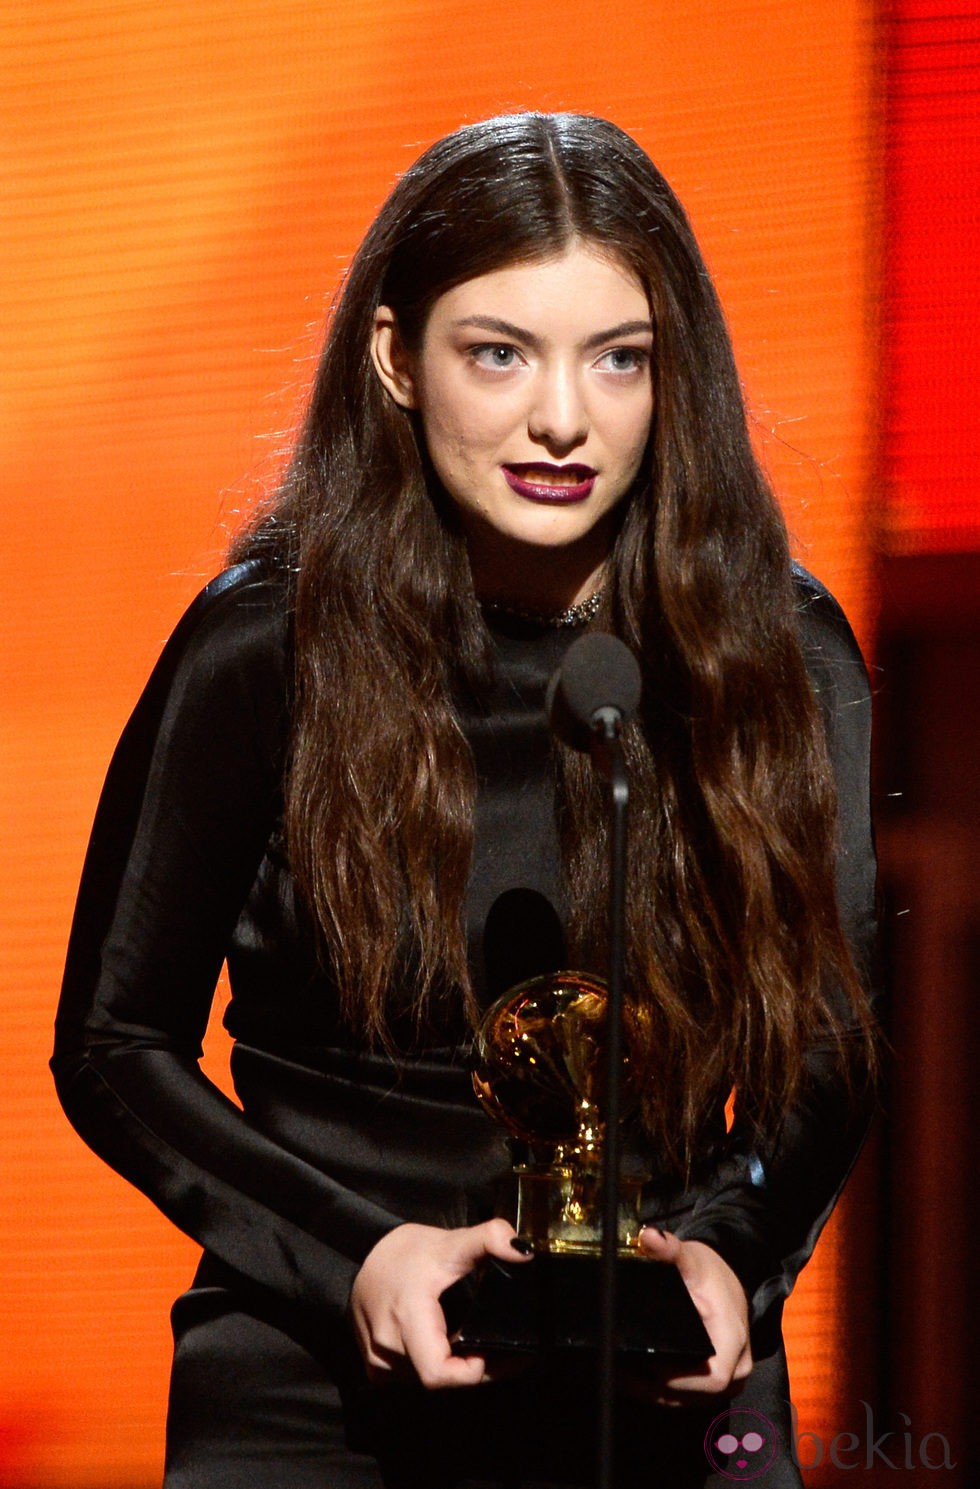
598,671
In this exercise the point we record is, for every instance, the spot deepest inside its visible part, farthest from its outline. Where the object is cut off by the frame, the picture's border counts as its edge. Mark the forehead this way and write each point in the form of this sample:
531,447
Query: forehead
573,293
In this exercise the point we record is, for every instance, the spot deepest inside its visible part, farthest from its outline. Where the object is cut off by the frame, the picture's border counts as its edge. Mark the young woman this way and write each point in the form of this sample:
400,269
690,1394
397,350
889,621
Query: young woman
526,422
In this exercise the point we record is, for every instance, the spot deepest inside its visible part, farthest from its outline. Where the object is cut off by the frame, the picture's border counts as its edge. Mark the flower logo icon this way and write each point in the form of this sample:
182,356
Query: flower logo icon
741,1444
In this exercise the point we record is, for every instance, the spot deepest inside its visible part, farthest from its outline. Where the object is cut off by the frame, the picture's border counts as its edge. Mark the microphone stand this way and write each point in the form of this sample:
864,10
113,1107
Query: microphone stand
607,756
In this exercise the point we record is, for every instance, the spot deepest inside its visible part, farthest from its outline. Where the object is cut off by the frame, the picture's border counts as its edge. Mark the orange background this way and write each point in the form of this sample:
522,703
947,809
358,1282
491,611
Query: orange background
184,183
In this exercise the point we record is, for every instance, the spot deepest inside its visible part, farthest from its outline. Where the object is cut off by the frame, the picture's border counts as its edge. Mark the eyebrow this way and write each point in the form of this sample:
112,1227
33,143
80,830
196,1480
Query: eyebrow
518,333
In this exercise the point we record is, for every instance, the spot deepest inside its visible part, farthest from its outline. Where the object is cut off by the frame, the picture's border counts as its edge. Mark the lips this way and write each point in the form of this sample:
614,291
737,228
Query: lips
541,482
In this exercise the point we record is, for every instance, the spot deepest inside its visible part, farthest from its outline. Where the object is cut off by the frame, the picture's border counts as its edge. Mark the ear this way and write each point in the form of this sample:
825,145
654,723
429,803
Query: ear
392,360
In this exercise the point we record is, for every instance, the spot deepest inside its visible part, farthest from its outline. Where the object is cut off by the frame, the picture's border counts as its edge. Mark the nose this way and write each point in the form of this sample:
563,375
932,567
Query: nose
557,417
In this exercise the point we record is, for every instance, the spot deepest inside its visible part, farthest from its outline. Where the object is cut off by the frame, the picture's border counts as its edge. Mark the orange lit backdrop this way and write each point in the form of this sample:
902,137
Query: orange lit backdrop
931,309
184,183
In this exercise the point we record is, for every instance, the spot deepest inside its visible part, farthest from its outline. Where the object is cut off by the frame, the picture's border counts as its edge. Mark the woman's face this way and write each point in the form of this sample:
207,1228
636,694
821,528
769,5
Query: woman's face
533,386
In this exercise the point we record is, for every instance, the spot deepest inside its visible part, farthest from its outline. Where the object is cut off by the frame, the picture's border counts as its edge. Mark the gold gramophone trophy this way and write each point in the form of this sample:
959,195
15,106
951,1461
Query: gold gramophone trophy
540,1071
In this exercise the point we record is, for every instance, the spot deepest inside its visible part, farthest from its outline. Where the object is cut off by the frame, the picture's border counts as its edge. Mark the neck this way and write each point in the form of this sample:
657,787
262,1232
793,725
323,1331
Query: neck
544,581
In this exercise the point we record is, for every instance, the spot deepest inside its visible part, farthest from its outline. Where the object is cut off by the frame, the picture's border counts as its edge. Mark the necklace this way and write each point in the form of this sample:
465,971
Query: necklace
575,615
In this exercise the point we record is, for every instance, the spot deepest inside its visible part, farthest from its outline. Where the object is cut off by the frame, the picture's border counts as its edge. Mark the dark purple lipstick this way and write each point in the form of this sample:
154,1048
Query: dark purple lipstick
539,481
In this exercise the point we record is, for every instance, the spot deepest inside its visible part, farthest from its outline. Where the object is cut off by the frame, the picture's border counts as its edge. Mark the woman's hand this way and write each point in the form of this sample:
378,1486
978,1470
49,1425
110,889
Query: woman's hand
395,1299
720,1299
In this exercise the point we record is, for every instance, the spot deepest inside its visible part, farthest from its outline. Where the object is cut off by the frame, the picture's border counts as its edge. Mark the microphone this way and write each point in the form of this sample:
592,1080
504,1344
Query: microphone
595,690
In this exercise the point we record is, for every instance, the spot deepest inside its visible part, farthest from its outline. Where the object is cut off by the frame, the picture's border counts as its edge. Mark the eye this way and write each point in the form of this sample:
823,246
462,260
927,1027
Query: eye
624,359
727,1442
752,1442
497,355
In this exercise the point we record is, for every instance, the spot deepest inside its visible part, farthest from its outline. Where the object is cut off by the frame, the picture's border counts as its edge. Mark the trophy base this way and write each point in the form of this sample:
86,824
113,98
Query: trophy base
552,1303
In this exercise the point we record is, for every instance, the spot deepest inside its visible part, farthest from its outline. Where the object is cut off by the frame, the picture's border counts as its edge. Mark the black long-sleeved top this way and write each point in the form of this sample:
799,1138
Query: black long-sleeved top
334,1146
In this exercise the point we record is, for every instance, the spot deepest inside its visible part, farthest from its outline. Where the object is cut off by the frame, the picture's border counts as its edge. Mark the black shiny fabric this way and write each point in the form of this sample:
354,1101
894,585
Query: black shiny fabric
333,1146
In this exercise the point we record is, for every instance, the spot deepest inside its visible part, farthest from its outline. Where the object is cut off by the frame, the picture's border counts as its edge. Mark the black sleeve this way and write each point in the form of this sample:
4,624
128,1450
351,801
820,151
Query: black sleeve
191,798
764,1209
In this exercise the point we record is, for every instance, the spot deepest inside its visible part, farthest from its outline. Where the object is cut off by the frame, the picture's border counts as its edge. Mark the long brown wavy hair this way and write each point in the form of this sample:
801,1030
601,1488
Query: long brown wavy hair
736,958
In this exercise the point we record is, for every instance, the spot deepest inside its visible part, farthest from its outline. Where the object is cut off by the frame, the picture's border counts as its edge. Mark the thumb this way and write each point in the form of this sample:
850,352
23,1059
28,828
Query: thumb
493,1238
689,1257
660,1245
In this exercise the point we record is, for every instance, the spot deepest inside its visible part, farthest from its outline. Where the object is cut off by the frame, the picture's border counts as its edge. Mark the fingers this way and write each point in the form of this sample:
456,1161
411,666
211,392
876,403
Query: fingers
660,1244
692,1259
426,1345
400,1324
720,1299
492,1238
412,1339
398,1318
